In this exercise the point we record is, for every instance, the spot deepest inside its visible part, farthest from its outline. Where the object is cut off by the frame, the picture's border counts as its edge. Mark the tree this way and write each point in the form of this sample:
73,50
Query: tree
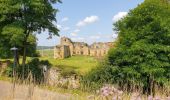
20,18
142,55
13,40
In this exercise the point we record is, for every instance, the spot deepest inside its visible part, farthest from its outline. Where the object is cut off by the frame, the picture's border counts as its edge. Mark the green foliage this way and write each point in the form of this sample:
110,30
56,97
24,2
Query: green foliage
8,71
34,67
19,19
9,42
5,52
141,58
93,80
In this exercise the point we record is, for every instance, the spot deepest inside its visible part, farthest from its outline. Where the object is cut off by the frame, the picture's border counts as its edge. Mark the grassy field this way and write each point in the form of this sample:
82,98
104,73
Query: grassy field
78,64
46,53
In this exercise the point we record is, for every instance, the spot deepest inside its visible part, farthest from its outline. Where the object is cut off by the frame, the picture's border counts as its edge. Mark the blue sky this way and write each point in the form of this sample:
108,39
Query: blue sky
88,20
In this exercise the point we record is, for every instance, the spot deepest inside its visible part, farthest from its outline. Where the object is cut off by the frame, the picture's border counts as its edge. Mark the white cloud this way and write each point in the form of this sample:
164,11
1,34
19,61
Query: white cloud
74,33
59,26
119,16
79,39
65,19
87,20
77,30
95,37
65,28
114,35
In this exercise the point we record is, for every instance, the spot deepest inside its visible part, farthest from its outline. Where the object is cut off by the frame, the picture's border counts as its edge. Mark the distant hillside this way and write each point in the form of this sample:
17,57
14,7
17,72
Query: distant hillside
44,47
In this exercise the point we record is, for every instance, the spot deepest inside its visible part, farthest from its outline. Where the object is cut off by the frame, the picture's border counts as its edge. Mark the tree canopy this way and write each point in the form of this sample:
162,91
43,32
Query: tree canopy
141,56
19,19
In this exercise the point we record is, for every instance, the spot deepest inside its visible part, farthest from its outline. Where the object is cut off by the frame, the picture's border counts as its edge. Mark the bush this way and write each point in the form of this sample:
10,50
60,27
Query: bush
33,68
141,58
8,71
98,76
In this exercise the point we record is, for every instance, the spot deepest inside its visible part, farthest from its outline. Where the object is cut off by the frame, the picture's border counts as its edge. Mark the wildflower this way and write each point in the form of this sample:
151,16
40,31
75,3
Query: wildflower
120,92
115,90
111,92
138,98
114,98
105,93
150,98
157,98
168,98
119,98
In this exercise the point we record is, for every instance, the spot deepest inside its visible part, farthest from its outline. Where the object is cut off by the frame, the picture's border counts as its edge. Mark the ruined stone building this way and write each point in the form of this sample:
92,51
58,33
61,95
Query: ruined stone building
69,48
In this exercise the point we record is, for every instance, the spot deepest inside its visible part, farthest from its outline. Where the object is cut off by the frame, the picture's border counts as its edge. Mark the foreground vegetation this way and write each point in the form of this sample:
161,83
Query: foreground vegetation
140,60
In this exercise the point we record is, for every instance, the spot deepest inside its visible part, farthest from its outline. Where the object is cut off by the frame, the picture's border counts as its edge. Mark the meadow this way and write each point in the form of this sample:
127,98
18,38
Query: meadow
77,64
46,52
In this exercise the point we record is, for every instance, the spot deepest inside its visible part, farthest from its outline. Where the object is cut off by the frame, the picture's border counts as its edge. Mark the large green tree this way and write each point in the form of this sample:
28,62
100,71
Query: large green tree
9,40
141,56
20,18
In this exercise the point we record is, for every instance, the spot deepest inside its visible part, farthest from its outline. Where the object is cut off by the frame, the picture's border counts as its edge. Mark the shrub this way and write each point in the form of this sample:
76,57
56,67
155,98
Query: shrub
141,57
33,68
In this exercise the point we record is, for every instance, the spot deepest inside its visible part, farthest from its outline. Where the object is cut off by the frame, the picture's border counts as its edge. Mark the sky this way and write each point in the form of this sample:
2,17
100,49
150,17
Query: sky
88,20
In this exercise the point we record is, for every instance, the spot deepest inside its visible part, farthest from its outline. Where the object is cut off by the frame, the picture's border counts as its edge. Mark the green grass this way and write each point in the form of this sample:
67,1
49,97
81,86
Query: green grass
74,64
5,78
79,64
46,53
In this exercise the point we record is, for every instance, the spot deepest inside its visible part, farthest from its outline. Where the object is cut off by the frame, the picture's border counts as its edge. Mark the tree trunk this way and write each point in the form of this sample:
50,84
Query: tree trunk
24,55
23,62
18,63
24,48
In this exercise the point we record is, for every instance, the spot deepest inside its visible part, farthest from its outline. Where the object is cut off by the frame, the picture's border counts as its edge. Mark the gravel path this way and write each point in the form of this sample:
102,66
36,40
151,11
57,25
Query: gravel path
23,92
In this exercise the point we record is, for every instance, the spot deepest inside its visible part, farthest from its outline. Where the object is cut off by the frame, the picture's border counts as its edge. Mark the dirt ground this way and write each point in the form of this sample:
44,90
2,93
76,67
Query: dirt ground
24,92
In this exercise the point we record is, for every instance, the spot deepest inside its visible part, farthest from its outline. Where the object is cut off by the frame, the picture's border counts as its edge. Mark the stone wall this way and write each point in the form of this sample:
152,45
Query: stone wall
62,51
57,52
55,78
68,48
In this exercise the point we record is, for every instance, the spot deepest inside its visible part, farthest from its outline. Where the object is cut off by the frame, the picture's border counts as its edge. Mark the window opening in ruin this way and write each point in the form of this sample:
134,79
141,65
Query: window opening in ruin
81,52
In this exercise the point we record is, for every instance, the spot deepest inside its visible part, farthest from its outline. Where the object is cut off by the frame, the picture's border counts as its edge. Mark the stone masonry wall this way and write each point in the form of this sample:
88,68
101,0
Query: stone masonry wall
68,48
